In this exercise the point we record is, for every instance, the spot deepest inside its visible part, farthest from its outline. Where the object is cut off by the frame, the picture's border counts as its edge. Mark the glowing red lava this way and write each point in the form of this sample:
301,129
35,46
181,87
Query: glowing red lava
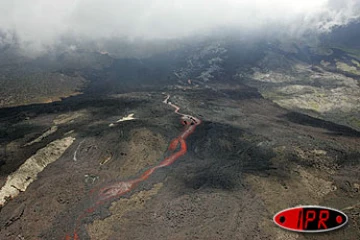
118,189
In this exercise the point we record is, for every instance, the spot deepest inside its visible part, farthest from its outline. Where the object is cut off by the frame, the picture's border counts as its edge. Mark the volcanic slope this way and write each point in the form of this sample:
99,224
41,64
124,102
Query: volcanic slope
247,160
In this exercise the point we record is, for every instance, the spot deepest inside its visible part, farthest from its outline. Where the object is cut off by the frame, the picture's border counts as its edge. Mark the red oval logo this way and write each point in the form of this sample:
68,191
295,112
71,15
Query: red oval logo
310,219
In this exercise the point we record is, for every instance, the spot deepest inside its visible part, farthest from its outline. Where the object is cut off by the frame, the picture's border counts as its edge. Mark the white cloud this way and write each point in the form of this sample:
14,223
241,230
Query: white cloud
43,21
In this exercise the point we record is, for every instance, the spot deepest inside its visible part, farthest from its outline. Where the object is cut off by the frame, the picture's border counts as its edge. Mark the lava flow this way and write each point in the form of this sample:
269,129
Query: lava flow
118,189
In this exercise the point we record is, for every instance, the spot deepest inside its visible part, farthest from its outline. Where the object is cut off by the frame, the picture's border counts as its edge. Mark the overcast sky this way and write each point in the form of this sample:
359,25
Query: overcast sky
44,21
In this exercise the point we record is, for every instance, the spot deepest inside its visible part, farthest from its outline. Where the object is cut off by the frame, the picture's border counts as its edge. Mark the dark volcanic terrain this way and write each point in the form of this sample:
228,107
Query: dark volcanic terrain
246,161
270,138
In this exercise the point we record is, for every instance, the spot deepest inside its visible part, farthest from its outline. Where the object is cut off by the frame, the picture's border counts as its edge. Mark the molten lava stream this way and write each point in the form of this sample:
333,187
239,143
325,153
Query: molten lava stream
118,189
